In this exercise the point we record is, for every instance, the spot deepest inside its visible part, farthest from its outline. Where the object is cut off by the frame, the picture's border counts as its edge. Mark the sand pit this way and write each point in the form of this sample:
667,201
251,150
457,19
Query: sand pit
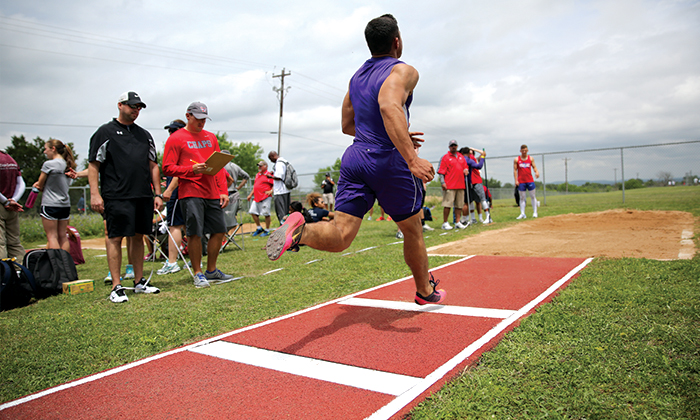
660,235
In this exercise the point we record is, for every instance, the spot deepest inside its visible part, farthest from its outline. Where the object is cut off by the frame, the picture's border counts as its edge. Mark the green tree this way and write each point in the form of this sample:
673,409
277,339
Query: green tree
247,155
29,156
224,143
634,183
493,183
321,174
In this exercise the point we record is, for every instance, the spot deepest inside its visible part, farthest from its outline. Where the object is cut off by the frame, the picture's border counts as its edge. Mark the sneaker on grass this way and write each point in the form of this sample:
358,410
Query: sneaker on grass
129,272
286,237
118,294
522,216
108,279
258,231
200,280
446,226
143,287
427,228
217,275
437,297
169,268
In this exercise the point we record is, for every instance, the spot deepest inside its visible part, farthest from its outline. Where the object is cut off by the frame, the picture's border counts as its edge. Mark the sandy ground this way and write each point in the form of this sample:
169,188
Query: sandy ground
660,235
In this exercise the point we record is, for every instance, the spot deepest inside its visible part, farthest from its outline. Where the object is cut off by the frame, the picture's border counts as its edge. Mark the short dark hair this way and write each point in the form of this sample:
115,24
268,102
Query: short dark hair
380,34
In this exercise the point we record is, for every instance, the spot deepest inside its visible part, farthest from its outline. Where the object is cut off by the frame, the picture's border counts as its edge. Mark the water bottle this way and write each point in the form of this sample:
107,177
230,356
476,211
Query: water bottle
32,198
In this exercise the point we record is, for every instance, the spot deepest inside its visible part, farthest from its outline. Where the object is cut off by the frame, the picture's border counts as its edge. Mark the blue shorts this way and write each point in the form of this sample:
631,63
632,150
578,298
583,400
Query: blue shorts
370,172
174,216
526,186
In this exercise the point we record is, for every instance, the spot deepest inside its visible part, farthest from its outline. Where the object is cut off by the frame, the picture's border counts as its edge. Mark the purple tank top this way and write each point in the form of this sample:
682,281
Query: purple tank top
364,91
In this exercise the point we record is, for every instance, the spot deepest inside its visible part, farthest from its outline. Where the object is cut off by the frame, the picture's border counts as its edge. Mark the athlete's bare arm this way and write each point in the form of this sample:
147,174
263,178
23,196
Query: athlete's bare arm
515,171
392,97
537,173
348,120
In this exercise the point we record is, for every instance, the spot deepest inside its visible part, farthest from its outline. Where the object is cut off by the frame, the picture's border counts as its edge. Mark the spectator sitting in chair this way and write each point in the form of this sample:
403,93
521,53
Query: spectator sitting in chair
316,208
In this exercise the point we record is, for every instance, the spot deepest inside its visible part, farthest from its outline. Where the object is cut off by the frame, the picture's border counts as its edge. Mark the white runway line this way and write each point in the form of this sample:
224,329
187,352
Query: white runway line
273,271
365,249
433,309
137,363
401,401
371,380
313,261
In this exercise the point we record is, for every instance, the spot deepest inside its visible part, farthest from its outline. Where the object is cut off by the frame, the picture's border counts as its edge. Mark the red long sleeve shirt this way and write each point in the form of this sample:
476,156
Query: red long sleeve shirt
182,150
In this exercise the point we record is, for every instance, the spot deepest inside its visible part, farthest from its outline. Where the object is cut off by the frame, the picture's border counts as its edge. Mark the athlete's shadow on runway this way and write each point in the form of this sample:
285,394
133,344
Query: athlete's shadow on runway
378,319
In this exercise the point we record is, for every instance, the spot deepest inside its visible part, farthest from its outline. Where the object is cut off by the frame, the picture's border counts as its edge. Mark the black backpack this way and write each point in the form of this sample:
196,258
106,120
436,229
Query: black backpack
16,289
51,268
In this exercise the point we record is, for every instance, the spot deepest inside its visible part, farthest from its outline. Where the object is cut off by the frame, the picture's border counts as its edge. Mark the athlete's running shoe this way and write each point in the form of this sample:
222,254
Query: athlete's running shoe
446,226
258,231
427,228
265,233
118,294
129,272
143,287
522,216
108,279
437,297
286,237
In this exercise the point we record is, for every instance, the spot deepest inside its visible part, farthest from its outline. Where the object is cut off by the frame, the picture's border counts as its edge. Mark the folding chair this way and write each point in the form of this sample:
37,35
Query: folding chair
159,242
232,224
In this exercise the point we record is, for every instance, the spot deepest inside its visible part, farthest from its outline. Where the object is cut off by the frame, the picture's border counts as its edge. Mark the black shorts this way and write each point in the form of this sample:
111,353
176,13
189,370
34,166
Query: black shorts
129,217
174,216
55,213
202,216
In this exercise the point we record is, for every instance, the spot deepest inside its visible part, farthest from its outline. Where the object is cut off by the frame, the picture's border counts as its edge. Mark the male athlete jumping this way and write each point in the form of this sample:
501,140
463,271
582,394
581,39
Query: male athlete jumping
381,164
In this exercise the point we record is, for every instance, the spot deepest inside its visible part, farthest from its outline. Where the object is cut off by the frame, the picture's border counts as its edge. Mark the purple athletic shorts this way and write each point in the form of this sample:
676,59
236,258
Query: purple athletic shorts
370,172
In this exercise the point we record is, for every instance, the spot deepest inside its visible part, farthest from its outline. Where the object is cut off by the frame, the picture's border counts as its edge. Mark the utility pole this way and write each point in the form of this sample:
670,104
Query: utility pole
281,92
566,173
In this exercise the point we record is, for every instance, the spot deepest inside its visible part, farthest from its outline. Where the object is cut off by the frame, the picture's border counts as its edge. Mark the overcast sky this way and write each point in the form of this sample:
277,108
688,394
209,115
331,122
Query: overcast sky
555,74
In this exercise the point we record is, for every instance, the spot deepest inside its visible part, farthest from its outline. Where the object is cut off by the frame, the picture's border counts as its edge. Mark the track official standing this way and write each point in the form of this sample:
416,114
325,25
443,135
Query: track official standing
123,160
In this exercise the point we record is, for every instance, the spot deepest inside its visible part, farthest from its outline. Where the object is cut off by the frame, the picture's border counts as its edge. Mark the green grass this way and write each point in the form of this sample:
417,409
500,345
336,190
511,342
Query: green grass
620,342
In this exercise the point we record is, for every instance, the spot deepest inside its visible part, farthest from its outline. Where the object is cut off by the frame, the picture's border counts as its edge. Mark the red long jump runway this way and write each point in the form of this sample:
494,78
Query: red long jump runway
373,354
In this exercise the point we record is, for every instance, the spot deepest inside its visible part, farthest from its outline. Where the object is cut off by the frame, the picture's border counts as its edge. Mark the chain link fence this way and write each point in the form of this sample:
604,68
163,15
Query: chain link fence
567,172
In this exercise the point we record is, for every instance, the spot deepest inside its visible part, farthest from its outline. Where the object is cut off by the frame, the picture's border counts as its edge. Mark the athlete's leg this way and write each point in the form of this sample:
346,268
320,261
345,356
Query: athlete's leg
415,254
523,203
333,236
533,200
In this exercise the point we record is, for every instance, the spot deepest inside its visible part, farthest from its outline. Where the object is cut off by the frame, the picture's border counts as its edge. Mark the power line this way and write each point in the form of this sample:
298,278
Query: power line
131,44
147,128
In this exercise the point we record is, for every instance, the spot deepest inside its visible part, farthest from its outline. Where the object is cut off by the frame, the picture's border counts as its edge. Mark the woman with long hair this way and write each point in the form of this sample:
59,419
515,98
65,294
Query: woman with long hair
55,201
317,209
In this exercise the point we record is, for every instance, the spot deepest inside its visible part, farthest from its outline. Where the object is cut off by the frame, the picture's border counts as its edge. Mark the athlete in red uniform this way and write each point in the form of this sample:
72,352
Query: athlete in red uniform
522,166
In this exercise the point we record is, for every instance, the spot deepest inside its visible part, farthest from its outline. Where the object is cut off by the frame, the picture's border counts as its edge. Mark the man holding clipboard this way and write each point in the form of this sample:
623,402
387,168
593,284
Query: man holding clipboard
193,156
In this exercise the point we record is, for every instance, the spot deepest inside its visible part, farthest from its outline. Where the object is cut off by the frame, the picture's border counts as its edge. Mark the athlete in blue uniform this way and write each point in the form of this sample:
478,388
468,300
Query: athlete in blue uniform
381,164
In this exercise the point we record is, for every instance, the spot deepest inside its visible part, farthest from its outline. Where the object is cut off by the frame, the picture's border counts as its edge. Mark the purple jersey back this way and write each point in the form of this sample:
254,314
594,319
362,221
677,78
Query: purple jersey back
364,92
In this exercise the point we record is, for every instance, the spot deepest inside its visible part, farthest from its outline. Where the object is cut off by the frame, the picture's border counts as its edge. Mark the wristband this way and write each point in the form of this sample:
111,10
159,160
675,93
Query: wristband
159,196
